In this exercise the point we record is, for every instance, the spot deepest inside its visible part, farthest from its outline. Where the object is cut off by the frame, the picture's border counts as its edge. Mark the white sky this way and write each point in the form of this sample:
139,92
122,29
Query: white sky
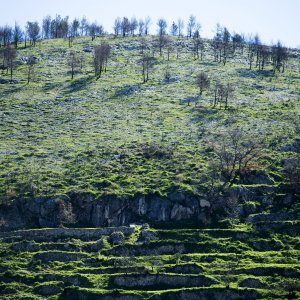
272,19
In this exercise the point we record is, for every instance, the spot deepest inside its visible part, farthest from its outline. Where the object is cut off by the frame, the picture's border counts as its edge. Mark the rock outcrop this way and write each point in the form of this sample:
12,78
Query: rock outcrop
85,210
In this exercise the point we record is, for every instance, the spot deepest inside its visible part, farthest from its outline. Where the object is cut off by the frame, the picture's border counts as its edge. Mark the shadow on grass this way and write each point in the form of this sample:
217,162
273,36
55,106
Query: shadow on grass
246,73
78,84
12,89
127,90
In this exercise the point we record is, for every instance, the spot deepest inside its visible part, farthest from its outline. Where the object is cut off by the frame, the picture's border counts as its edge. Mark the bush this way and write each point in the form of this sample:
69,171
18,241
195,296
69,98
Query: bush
116,238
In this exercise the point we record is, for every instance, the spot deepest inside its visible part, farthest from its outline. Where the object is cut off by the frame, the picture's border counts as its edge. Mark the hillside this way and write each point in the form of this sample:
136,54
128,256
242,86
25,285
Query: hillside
218,184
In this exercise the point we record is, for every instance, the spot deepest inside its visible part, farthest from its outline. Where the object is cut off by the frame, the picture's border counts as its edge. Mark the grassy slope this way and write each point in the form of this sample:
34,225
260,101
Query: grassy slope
59,135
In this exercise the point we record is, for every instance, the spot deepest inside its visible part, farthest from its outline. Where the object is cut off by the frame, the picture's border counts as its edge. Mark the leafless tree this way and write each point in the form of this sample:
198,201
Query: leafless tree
9,57
191,26
162,42
33,31
265,54
225,45
174,29
202,82
216,44
117,26
147,25
101,55
238,42
73,62
222,93
250,51
147,63
198,46
17,35
75,27
83,26
6,34
133,25
235,152
31,62
125,26
279,57
162,26
180,25
95,30
141,27
46,27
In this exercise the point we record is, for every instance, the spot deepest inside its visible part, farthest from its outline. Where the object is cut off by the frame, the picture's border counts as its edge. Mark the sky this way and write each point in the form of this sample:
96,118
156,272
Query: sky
273,20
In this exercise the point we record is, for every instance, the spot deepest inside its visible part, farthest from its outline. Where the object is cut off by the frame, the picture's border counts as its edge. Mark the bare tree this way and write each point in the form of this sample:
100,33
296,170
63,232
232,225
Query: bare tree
46,27
95,30
9,57
101,55
198,46
191,25
17,35
162,42
279,57
83,26
33,31
251,51
222,93
235,153
141,27
180,25
225,44
147,63
31,62
174,29
147,25
133,25
162,26
75,27
238,42
73,62
216,44
6,34
117,26
125,26
202,82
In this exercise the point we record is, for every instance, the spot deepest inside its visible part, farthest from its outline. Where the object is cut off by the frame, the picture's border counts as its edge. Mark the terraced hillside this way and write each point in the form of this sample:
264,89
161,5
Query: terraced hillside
256,260
82,159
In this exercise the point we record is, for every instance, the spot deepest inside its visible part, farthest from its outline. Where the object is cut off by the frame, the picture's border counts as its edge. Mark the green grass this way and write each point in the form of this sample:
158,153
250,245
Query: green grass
118,137
59,135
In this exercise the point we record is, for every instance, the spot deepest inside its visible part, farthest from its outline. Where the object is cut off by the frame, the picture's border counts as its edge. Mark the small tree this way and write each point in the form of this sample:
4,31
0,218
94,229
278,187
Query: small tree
9,57
191,26
147,63
180,25
235,152
17,35
174,29
31,62
147,25
33,31
279,57
202,82
162,42
101,55
73,62
117,26
162,26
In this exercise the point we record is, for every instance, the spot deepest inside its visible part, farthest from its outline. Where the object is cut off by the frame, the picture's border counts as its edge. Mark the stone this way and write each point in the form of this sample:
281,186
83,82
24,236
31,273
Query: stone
180,212
252,283
204,203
